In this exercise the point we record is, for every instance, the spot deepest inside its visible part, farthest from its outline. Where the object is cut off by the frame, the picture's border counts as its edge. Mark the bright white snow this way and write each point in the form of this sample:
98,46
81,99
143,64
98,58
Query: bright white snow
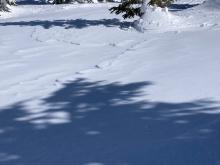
81,86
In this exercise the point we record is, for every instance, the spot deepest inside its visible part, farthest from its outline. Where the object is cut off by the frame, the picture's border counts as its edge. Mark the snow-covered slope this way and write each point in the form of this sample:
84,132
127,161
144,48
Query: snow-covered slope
80,86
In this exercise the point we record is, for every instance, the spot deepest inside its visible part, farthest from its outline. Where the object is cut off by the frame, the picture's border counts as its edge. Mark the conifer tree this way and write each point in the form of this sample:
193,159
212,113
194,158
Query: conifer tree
160,3
11,2
131,8
3,5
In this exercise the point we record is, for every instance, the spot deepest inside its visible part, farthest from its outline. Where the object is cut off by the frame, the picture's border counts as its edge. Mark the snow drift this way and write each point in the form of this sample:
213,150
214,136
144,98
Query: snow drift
155,18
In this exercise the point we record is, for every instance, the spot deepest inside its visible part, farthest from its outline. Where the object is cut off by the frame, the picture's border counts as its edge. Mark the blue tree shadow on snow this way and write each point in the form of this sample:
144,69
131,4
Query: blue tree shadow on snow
179,7
31,2
100,123
67,24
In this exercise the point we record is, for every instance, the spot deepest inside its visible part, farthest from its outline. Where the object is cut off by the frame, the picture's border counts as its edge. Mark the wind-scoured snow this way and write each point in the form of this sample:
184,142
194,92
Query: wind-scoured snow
81,86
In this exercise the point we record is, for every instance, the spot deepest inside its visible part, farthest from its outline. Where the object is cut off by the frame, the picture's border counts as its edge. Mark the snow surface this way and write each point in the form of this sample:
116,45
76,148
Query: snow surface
156,18
212,3
80,86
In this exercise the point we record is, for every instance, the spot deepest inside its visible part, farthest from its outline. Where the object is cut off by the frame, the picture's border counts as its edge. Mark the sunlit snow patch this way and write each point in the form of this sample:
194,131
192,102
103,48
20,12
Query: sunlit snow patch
156,18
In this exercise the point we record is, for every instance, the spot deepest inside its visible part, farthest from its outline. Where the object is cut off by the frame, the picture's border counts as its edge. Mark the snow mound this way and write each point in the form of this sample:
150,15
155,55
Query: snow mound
156,18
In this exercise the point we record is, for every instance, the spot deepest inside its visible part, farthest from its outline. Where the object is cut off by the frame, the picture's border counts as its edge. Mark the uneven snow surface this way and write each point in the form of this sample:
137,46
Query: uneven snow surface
80,86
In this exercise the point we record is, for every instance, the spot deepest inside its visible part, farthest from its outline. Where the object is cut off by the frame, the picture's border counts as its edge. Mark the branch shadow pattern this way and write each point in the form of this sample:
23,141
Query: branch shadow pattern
68,24
106,126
